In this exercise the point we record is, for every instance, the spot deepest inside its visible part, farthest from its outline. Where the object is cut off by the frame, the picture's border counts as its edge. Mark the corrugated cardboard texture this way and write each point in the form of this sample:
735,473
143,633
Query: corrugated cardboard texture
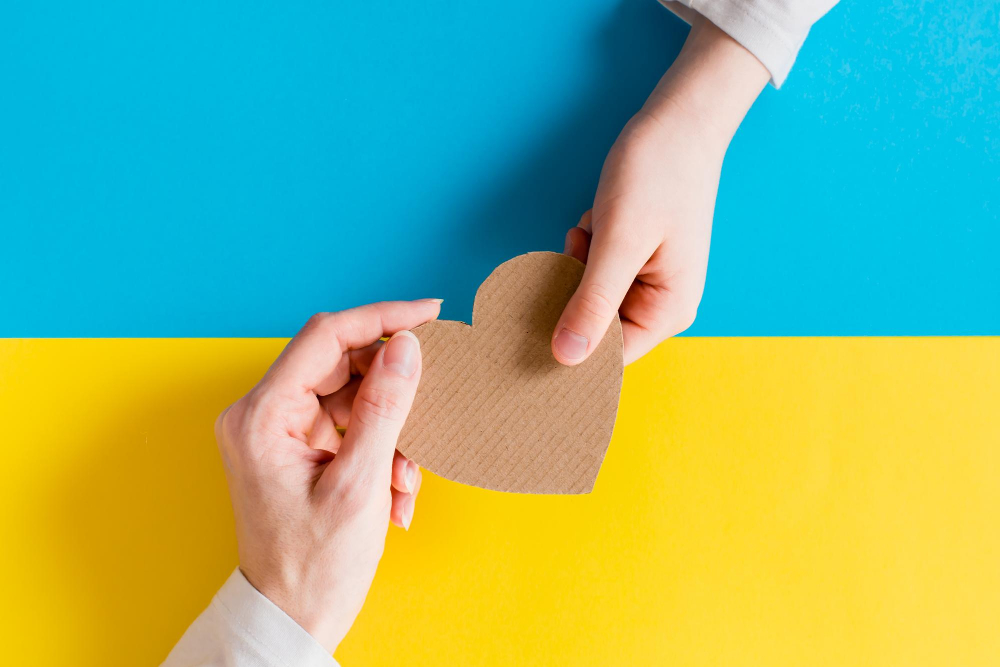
494,408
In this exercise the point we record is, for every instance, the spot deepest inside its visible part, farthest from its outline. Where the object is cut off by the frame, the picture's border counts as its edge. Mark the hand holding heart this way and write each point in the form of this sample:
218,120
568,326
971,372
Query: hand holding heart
494,409
312,507
646,240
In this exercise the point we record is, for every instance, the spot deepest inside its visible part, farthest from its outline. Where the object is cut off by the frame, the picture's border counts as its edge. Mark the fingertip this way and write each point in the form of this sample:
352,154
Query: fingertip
401,512
569,347
412,471
402,477
401,354
435,304
408,506
396,510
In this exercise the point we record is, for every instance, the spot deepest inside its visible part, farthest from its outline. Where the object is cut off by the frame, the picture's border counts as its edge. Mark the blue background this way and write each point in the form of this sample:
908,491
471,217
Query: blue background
227,168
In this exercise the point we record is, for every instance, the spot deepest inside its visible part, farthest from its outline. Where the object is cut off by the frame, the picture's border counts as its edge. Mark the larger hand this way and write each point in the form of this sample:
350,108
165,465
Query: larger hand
312,508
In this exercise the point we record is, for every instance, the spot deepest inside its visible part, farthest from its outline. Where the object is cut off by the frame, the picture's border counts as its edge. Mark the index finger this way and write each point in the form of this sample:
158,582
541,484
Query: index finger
314,360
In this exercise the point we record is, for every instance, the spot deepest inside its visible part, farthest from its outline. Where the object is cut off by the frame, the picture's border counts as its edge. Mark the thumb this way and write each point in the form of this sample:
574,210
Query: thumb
382,403
612,265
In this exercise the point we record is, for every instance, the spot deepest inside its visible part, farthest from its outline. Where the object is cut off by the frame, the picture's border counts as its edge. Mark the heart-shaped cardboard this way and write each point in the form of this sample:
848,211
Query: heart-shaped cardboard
494,409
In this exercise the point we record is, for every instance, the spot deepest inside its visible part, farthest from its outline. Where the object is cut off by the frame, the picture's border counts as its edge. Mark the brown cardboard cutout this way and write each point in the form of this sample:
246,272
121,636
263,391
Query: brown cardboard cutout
494,408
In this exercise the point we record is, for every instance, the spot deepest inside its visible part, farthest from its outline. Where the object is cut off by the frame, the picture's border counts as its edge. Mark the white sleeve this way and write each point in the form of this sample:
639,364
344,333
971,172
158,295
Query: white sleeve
242,628
772,30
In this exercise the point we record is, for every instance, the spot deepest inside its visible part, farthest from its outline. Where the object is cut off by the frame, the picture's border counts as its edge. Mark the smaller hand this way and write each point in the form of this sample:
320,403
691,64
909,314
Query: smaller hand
645,241
312,508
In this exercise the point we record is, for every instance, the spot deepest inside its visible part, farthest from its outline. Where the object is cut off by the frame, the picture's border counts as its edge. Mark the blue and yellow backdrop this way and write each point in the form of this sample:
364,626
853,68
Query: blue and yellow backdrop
810,476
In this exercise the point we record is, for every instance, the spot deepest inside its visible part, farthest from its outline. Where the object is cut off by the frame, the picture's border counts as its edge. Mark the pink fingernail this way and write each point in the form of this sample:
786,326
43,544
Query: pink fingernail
411,475
571,345
402,354
408,513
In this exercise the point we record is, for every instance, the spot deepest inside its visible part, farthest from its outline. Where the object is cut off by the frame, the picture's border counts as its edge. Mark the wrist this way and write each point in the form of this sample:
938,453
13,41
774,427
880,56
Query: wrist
712,84
317,617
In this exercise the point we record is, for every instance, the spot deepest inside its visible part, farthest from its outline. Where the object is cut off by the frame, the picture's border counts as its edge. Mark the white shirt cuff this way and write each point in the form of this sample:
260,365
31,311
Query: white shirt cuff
772,30
242,628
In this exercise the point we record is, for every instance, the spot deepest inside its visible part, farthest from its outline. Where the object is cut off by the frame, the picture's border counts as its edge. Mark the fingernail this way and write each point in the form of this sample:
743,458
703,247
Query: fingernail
411,475
401,354
438,301
408,513
569,244
571,345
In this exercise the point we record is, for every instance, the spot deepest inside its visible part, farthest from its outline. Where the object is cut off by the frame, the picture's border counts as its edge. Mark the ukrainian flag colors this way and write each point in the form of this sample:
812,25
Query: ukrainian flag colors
182,184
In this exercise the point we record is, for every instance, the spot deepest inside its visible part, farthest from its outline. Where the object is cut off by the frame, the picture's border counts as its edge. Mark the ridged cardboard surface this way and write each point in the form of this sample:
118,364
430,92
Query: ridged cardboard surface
494,408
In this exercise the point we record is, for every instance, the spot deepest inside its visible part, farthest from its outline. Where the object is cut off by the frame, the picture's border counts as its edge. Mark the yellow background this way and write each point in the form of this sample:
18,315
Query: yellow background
764,502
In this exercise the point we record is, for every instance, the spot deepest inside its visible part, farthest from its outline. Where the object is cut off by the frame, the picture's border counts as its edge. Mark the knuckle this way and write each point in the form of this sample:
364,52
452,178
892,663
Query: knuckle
595,303
238,428
256,408
375,404
353,327
318,319
227,433
317,322
351,496
227,424
358,493
349,325
222,425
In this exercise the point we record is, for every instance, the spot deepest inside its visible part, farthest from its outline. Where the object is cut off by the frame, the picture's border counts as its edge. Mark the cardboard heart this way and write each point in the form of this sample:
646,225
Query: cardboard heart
494,408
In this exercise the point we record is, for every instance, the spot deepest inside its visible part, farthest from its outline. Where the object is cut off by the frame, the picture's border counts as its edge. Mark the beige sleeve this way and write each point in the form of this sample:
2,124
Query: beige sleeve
772,30
242,628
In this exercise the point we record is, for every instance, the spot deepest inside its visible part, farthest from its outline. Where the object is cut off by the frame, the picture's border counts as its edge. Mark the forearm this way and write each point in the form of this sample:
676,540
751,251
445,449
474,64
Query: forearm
712,83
